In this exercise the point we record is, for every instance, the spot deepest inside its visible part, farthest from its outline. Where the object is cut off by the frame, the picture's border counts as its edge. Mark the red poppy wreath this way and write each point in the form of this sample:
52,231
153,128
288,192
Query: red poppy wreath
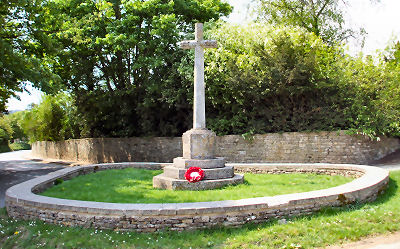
194,174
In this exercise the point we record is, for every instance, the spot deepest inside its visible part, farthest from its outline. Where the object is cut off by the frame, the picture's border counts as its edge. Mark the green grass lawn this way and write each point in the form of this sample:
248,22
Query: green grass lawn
136,186
329,226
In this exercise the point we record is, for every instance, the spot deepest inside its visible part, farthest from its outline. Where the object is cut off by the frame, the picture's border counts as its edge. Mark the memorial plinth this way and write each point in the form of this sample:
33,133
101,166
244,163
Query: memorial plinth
198,151
198,143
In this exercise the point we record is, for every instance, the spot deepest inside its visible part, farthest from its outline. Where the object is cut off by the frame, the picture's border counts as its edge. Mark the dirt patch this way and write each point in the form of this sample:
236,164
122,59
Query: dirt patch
392,240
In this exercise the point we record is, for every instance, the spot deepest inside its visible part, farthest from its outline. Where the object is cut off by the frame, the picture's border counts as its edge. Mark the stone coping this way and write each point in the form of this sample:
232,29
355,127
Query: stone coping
22,202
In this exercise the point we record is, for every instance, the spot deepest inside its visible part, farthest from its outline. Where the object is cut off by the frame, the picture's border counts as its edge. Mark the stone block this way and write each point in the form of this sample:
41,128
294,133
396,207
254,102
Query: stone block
180,162
198,144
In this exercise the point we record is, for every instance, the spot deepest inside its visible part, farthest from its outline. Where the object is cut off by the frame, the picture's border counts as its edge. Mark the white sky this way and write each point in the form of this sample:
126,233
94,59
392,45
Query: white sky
381,21
26,99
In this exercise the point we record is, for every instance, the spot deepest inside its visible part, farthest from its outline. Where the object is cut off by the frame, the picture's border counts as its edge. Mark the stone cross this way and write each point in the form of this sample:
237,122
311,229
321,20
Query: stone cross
199,114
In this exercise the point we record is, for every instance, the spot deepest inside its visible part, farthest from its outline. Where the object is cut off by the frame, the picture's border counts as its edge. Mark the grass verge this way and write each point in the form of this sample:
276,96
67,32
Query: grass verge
136,186
329,226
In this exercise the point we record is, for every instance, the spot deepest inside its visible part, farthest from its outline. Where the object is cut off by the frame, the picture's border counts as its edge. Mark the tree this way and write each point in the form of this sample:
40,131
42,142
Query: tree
120,59
322,17
5,133
15,120
23,45
53,119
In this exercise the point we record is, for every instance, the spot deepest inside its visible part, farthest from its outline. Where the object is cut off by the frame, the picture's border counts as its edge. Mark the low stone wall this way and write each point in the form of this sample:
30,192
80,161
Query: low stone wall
291,147
108,150
22,203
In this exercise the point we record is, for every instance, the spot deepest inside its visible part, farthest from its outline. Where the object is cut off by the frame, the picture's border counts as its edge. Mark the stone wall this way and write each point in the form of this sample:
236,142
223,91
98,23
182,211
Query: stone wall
22,202
296,147
103,150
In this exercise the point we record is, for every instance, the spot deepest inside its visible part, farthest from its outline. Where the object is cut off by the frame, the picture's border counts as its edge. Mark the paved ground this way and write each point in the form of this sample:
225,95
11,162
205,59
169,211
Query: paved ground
17,167
390,162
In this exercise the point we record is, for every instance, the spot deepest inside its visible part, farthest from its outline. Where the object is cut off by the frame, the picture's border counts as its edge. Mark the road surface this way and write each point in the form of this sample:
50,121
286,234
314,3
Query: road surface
16,167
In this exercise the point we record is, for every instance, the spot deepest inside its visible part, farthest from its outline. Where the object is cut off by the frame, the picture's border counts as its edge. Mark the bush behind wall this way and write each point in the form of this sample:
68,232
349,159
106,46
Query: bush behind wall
261,79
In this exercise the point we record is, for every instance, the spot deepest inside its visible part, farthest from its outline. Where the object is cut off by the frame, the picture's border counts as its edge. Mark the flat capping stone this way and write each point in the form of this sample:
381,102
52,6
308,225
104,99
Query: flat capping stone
180,162
361,189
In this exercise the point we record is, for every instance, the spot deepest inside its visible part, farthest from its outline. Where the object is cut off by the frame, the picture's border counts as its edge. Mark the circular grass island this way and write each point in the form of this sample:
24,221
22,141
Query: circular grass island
122,198
132,185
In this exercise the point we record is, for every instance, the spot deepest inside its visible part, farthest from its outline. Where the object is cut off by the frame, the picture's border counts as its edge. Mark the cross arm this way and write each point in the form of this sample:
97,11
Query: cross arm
193,44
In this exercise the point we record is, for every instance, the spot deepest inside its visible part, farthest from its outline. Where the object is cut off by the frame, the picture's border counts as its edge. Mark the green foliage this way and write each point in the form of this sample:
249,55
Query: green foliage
390,95
23,42
372,94
10,130
279,79
263,79
120,59
127,77
15,121
53,119
322,17
5,132
4,148
376,109
20,146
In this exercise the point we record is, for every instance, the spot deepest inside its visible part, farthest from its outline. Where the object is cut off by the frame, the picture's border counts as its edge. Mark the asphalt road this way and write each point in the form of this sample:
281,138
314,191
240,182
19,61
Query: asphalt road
16,167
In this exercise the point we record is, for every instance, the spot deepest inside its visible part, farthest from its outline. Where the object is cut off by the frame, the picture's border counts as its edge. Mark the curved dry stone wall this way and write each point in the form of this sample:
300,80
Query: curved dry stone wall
291,147
23,203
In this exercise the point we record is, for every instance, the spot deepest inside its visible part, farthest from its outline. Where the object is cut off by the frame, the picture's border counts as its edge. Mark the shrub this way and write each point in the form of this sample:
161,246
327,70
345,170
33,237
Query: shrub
278,79
5,134
53,119
260,79
265,79
374,95
20,146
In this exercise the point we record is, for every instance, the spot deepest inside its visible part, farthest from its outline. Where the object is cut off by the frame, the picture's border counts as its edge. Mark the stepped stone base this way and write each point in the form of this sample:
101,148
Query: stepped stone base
209,174
198,151
164,182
